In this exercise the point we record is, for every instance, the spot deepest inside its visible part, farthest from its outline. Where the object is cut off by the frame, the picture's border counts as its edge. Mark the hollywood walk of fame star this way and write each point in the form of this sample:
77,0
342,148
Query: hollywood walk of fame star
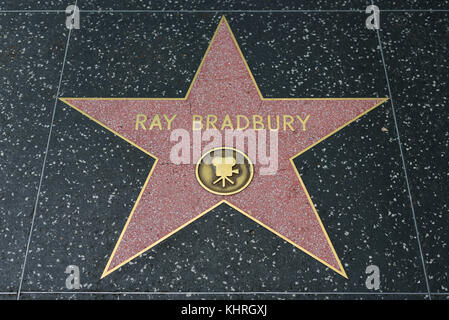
172,198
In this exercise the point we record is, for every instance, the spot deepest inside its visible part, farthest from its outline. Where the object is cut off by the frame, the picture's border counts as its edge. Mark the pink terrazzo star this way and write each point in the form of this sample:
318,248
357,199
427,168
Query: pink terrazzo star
172,198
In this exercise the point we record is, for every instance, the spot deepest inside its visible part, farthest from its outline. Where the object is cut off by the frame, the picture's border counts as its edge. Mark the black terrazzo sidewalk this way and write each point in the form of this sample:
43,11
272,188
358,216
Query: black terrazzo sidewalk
384,202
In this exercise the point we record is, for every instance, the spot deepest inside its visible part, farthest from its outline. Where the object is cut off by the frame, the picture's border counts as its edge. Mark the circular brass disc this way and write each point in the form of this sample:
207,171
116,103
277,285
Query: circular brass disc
224,171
